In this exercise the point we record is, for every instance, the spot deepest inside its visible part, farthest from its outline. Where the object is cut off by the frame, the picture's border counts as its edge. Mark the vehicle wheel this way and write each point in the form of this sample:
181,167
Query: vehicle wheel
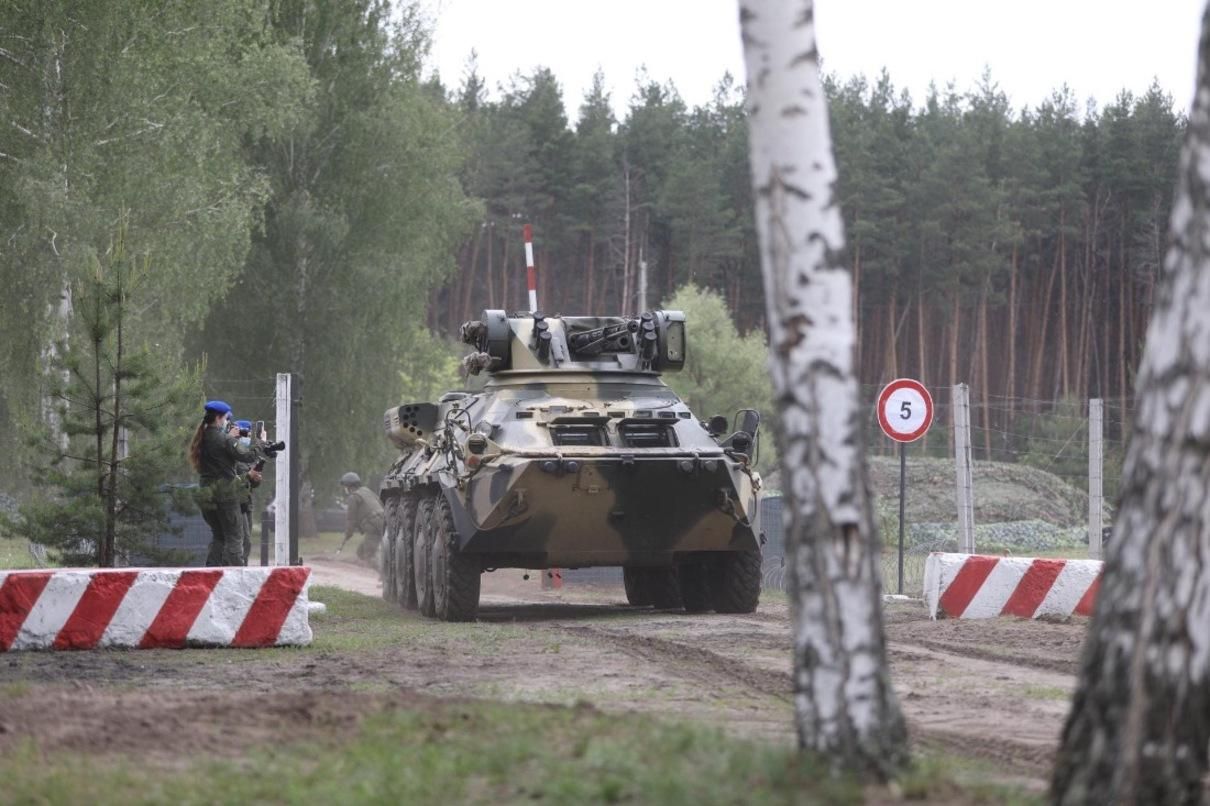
388,569
405,579
694,580
735,583
663,589
422,545
637,593
455,575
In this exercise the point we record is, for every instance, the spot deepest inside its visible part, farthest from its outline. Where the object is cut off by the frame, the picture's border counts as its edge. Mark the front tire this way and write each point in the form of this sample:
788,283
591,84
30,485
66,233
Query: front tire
455,575
422,545
637,594
694,579
405,579
388,569
735,583
663,589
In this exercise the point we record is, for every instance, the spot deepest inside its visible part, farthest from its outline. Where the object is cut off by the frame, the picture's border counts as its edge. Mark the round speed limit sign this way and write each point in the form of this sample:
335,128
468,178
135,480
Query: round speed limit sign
905,410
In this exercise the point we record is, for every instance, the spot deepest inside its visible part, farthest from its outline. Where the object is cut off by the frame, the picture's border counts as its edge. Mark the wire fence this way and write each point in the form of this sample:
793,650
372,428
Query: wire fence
1030,483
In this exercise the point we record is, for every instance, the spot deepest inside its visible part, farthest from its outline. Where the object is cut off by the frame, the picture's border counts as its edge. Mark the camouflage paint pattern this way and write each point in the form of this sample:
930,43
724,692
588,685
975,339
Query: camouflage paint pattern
588,458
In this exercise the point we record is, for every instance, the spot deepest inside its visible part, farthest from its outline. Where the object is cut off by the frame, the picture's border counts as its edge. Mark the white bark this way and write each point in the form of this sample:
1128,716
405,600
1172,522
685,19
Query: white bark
1140,721
845,706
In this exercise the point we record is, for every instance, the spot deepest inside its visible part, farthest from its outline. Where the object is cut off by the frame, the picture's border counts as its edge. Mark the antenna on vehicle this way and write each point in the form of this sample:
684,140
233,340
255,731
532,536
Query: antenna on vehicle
531,272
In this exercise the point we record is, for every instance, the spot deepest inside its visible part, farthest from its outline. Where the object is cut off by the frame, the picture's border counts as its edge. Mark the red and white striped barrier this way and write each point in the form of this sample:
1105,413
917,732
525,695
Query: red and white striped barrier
148,608
977,586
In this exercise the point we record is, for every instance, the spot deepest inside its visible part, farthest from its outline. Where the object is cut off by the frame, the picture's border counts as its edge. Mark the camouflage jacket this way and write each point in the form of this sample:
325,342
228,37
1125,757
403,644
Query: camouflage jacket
246,484
220,460
363,513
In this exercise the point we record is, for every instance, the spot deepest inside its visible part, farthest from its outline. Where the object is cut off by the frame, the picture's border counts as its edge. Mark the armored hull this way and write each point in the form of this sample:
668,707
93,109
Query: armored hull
570,458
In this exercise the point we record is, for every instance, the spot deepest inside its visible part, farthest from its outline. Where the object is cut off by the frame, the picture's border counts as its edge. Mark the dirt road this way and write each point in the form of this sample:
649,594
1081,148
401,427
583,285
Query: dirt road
996,690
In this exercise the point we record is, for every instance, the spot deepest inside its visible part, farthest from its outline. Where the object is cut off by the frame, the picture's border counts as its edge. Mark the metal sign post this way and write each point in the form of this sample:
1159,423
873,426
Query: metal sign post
905,412
282,509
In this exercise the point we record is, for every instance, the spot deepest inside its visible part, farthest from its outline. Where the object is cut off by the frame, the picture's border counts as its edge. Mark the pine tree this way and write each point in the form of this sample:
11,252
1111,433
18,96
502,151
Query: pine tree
101,493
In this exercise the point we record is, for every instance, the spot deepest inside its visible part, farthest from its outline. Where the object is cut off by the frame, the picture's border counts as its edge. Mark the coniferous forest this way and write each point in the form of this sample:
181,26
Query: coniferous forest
1014,249
299,192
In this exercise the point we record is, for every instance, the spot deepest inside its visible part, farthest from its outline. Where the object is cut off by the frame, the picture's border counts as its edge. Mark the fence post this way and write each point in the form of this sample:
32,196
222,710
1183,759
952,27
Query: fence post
282,468
1096,426
962,463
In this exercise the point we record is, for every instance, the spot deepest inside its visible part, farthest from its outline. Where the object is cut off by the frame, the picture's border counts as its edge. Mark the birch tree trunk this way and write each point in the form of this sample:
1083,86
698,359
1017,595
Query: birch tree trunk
845,706
1139,728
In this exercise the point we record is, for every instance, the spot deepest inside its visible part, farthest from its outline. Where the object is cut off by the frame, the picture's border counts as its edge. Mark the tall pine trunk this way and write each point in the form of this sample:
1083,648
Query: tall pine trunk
985,380
110,539
1011,389
1139,728
955,331
1062,381
1040,351
470,281
845,707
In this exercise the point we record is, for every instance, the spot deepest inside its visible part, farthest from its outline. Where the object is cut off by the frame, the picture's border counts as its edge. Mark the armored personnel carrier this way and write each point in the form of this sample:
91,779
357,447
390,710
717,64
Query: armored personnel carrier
574,454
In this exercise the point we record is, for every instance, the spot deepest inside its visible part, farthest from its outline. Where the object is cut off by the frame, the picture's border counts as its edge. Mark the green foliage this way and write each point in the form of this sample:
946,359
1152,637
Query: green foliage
98,500
363,216
119,111
724,370
429,367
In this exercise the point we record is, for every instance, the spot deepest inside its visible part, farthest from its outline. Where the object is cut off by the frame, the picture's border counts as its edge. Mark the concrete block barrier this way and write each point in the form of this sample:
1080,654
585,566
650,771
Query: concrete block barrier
978,586
149,608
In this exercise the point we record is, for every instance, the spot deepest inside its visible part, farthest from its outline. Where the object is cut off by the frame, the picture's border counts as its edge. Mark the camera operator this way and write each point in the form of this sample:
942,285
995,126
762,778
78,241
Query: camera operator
250,478
215,454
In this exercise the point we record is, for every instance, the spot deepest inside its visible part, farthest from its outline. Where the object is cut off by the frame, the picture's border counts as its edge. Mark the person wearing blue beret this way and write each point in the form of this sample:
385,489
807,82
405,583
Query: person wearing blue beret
216,455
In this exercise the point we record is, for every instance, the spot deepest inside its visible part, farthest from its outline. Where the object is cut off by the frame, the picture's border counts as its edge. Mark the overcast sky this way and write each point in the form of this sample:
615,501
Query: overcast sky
1097,47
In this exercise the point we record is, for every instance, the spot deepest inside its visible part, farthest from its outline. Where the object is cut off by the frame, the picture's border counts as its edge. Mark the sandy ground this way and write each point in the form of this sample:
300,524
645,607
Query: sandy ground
996,690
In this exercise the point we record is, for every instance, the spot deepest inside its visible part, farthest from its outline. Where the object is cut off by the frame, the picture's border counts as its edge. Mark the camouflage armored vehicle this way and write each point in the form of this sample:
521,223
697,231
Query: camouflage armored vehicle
574,454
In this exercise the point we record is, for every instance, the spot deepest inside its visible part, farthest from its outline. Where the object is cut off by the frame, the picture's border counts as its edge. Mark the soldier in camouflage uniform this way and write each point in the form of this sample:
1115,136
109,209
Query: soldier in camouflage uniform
214,453
363,514
250,479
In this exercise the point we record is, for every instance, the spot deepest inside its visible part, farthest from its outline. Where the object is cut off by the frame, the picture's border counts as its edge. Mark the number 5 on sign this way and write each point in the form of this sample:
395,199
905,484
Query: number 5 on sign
905,410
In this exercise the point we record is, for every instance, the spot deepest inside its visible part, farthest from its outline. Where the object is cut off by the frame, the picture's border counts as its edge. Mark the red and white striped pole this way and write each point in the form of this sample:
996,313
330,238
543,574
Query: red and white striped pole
531,272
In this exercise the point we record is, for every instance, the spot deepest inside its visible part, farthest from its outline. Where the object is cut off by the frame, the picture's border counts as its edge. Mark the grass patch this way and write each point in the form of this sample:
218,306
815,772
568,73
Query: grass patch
14,690
328,542
483,753
935,777
14,554
1073,553
769,596
357,623
1046,693
466,753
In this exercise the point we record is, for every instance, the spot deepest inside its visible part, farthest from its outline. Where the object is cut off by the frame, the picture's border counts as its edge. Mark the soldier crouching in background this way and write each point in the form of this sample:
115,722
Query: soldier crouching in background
363,513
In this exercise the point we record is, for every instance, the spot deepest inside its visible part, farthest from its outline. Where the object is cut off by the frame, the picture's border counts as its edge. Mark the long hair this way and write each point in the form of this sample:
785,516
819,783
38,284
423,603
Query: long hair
195,445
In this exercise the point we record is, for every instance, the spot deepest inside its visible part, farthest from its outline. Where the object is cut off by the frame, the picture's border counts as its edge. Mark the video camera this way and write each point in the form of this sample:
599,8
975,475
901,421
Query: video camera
268,449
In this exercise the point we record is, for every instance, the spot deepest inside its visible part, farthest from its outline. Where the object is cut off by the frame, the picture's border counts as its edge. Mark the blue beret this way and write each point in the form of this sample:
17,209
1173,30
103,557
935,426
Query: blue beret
244,425
217,407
